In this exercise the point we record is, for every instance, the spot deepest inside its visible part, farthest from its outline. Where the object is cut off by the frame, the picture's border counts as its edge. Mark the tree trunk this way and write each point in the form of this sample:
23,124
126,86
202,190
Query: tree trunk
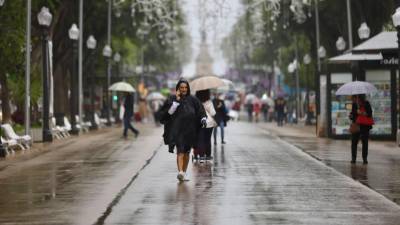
5,99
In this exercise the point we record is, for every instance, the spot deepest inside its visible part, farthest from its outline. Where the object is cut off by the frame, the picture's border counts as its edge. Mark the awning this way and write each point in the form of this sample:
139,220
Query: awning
384,41
356,57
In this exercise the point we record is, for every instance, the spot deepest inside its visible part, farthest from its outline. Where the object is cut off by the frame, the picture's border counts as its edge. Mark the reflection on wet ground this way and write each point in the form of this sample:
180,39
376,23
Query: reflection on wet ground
382,174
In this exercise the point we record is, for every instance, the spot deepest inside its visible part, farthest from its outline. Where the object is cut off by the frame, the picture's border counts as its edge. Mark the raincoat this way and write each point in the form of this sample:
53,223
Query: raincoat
182,127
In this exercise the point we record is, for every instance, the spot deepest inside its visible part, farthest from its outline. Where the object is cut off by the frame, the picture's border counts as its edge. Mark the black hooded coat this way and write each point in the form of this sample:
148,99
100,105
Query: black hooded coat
182,127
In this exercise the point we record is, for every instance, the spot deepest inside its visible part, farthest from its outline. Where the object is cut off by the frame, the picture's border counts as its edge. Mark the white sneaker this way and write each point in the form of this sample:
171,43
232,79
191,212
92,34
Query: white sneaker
181,176
186,178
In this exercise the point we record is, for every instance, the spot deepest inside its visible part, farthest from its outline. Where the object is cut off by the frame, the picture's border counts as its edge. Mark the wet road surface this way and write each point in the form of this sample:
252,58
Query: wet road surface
382,174
255,178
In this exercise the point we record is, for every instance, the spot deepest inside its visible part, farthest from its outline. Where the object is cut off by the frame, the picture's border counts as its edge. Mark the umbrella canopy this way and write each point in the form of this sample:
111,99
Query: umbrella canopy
267,100
121,86
206,82
228,85
356,88
250,98
155,96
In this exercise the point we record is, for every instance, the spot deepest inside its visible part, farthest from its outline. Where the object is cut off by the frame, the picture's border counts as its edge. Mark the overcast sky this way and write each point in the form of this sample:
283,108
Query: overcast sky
227,13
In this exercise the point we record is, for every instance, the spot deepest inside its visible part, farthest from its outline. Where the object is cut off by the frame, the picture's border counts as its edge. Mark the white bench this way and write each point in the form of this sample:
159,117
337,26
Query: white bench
9,133
100,122
12,144
85,125
58,131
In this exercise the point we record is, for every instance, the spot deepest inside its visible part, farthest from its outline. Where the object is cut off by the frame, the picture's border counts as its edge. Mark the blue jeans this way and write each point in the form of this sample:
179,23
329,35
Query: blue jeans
220,125
128,125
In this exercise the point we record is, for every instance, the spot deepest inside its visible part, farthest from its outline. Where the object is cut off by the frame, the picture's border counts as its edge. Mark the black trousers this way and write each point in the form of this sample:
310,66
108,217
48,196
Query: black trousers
363,135
128,125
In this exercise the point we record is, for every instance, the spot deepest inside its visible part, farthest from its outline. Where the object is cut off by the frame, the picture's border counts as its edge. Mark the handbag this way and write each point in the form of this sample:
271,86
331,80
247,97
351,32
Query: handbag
354,128
363,119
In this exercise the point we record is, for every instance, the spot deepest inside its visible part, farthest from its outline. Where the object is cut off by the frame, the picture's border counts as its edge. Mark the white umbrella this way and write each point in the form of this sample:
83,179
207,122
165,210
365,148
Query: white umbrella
228,85
121,86
267,100
250,98
206,82
356,88
155,96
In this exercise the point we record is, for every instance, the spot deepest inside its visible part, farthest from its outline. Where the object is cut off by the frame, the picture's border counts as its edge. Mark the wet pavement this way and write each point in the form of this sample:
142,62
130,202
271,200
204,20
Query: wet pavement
256,178
382,174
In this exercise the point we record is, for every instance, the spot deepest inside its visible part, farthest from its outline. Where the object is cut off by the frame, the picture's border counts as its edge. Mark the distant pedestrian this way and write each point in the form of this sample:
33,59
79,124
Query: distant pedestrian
182,115
127,116
280,111
249,109
221,117
155,106
265,109
361,114
203,148
257,110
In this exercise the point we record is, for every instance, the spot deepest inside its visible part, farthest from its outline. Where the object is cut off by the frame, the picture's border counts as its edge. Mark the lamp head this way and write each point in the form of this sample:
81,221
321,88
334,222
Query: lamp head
107,51
340,44
364,31
44,17
91,42
73,32
396,18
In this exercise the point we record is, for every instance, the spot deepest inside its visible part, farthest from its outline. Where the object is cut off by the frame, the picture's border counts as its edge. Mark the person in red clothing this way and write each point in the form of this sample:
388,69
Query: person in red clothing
361,114
257,109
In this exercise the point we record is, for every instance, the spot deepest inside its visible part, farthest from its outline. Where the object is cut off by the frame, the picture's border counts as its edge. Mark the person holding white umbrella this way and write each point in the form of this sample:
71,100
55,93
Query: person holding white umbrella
361,116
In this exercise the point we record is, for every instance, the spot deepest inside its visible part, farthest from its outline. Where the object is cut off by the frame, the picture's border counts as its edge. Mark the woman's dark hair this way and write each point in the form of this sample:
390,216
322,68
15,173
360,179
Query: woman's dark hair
183,80
203,95
362,97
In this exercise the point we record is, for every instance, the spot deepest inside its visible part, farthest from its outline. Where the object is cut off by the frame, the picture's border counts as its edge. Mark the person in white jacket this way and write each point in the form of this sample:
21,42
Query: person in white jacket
203,148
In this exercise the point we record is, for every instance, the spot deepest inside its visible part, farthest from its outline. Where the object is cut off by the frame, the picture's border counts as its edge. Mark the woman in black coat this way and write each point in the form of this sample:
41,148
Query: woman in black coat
360,107
220,117
182,115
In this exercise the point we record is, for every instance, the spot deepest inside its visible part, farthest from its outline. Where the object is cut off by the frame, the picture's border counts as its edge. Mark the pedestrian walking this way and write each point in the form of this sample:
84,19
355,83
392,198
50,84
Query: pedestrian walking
361,116
265,109
155,105
249,109
128,113
280,111
203,148
221,117
182,115
257,109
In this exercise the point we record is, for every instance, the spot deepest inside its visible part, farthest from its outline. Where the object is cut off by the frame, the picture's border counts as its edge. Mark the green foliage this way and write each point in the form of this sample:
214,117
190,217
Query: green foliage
277,43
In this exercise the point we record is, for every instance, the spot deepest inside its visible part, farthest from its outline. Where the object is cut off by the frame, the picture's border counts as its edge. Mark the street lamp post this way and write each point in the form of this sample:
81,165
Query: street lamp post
396,23
27,67
44,19
307,61
297,80
107,52
3,151
292,68
91,45
74,100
